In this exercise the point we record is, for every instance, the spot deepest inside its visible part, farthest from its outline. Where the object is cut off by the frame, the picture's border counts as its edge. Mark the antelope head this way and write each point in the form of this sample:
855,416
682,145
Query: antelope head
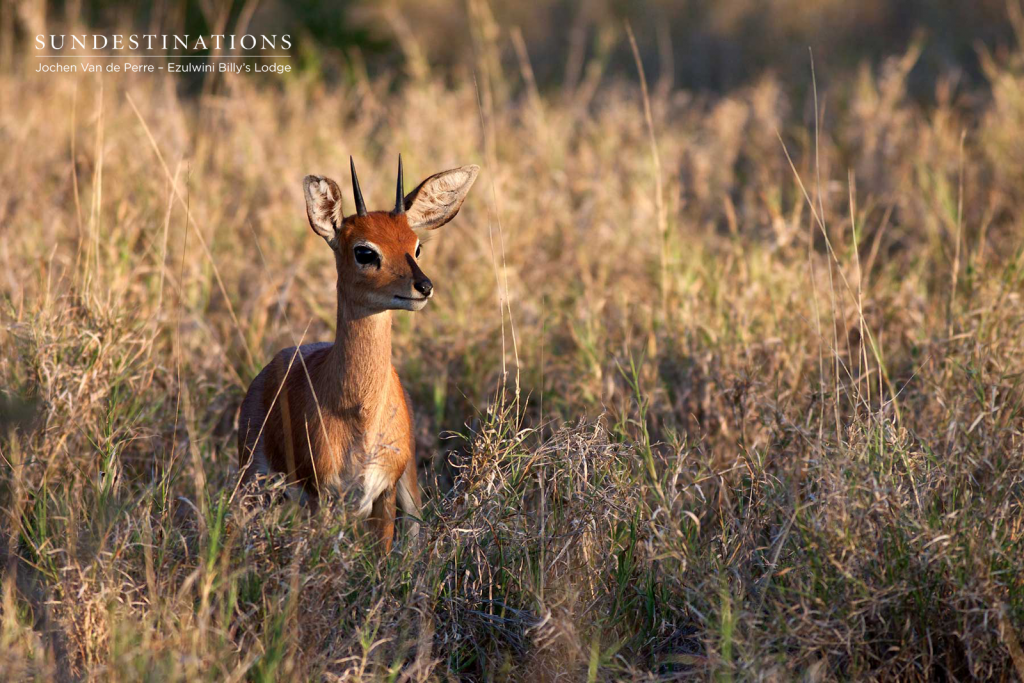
377,252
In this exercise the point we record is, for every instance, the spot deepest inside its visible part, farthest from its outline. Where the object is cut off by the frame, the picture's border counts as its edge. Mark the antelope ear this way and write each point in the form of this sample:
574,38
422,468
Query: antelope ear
323,206
437,199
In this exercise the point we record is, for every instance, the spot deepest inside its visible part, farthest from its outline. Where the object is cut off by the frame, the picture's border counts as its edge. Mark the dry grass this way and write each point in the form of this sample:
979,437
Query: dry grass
793,442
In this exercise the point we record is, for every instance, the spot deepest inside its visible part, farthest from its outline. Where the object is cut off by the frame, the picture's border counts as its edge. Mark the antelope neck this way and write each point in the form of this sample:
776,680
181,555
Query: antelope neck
361,356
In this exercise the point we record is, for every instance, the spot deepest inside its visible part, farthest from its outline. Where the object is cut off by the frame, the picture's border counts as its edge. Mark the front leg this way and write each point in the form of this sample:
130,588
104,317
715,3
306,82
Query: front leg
382,517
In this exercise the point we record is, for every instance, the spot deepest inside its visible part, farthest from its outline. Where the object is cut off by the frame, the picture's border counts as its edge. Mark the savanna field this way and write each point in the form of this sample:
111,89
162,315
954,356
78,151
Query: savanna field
713,386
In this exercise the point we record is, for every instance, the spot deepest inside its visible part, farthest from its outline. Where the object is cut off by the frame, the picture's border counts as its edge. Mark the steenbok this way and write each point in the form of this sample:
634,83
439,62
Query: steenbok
336,414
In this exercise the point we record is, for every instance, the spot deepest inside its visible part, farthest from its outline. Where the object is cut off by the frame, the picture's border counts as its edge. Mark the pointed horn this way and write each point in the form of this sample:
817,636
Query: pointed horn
400,191
360,204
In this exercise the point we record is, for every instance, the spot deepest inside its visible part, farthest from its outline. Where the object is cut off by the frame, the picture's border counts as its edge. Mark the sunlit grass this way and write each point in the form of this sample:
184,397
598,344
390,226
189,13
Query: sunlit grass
700,444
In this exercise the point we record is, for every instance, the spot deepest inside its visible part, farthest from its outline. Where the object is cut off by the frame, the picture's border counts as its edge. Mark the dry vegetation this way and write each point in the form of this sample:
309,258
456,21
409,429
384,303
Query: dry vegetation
687,412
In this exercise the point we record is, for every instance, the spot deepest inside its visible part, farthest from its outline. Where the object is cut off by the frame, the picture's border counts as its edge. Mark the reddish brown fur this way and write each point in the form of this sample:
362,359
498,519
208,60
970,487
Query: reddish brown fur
351,411
335,414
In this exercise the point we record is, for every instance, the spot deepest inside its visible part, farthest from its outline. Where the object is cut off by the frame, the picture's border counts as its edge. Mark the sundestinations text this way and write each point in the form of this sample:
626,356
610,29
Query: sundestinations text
152,41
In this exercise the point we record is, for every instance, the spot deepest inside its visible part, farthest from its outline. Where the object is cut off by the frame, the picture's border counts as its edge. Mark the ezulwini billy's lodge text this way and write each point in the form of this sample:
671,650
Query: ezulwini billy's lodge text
172,67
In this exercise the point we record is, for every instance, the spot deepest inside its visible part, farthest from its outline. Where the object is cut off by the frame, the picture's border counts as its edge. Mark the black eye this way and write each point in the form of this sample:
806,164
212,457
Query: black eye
419,248
366,256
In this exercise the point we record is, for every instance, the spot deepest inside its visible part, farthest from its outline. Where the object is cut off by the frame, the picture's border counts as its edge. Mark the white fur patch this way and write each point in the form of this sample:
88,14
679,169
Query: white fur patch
405,499
375,482
409,506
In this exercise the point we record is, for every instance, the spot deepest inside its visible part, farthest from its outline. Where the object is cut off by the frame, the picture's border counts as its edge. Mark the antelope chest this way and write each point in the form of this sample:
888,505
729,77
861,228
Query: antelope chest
351,441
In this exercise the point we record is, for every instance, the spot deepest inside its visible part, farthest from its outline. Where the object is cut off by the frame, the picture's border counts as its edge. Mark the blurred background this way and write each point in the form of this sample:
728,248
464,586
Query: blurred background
692,44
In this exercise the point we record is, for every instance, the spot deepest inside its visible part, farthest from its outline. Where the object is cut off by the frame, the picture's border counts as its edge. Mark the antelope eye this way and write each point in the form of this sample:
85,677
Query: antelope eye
366,256
419,248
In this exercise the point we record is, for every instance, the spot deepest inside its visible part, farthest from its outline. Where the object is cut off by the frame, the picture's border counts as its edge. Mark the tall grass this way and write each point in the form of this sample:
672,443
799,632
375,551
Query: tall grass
769,411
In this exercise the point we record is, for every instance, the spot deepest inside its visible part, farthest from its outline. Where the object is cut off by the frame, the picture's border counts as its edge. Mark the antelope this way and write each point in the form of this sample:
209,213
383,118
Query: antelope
334,414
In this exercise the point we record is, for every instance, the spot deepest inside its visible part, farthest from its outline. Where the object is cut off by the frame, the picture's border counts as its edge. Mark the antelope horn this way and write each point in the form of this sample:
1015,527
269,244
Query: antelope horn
360,204
400,191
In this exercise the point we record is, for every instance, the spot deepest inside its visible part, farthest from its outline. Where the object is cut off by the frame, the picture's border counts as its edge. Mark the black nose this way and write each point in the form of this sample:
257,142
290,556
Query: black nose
424,287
